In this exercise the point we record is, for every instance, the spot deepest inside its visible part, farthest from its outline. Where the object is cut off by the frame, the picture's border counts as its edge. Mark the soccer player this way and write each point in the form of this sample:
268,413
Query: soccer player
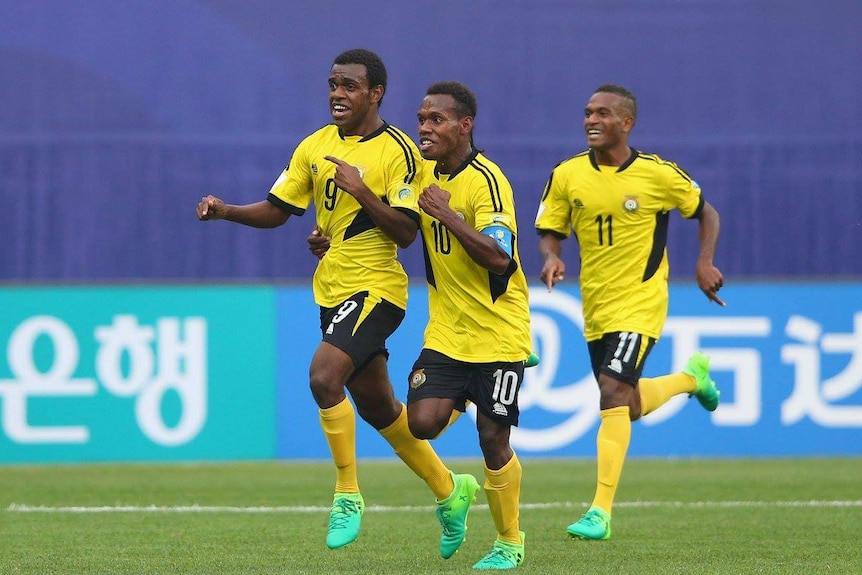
478,334
362,175
617,200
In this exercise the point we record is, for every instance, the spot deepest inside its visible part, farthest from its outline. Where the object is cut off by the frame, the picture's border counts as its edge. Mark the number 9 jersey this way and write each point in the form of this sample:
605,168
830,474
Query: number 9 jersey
360,257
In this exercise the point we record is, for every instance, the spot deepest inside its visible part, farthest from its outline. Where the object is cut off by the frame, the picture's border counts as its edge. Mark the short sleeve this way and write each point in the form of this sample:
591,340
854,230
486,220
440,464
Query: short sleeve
403,180
554,212
294,186
683,192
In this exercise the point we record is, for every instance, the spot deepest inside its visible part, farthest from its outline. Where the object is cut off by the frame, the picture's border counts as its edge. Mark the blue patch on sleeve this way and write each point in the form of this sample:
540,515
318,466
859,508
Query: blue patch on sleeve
502,235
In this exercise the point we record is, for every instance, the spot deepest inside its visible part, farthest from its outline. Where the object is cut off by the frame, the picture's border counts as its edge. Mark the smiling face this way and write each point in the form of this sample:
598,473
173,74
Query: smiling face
352,102
443,136
607,122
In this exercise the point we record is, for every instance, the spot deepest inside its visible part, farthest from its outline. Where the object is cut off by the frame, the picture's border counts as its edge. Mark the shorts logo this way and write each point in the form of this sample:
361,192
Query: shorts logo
417,378
616,365
499,409
330,329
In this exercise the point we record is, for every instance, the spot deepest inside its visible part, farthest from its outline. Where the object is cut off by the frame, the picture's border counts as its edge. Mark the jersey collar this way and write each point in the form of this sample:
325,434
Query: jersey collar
373,134
625,164
460,168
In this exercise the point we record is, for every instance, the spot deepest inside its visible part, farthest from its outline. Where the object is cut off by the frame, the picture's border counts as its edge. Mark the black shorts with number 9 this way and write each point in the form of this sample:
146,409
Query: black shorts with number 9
493,387
360,325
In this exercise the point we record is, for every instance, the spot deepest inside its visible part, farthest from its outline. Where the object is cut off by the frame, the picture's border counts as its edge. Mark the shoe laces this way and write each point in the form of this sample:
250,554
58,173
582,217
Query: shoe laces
593,518
342,511
444,515
501,556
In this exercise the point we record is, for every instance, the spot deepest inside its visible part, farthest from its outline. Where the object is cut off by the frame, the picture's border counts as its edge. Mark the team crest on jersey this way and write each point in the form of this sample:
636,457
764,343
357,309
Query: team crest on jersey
405,193
578,203
417,378
314,169
631,203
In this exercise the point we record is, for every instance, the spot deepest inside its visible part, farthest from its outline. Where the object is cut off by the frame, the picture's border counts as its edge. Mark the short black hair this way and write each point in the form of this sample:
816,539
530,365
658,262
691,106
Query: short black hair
629,100
375,71
465,99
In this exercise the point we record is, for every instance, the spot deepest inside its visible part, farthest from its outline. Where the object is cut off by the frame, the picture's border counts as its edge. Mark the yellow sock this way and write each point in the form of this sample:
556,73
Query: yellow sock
656,391
612,442
419,456
503,491
339,427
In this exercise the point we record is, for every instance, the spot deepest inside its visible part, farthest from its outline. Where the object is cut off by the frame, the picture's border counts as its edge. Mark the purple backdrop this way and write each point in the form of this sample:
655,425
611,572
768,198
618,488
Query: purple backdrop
117,116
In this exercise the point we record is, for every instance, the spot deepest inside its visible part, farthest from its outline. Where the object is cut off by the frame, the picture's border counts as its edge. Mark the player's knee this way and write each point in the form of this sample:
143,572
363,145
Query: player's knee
614,393
424,427
495,449
324,388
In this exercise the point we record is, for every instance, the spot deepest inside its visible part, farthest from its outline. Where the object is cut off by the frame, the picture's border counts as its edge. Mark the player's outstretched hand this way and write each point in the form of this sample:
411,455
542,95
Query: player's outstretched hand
553,271
211,208
710,280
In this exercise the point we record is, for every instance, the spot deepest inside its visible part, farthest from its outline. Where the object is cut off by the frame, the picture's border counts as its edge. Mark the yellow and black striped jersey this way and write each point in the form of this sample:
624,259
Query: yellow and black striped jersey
361,257
475,315
620,218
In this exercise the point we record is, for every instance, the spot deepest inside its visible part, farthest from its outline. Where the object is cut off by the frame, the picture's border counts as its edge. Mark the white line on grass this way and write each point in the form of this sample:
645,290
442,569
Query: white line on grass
24,508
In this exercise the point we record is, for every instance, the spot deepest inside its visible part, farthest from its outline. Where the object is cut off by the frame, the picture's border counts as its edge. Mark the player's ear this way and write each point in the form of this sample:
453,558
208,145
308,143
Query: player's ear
628,124
466,124
376,94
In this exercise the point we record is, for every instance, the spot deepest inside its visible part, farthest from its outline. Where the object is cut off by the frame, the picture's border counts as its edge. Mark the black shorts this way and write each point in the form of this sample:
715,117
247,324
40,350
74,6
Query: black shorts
360,325
621,355
493,387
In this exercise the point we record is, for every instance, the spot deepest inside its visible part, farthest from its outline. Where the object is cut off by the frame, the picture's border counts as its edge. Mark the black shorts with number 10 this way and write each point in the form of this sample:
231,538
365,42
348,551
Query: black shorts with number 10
360,325
492,387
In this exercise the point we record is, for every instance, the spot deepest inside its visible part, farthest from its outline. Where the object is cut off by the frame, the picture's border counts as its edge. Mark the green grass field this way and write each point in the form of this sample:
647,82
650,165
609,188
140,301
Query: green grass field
800,516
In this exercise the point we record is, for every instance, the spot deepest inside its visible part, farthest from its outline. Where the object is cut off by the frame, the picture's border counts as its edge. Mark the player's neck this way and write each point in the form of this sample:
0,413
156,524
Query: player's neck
616,156
454,160
368,126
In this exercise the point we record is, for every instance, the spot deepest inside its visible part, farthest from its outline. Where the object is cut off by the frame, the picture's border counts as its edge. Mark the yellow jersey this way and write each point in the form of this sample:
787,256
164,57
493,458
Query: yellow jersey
361,257
475,315
620,217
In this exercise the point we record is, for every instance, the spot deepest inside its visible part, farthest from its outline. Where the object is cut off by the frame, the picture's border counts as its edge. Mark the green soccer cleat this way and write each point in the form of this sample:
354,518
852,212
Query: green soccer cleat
594,525
345,518
705,391
452,513
503,555
532,361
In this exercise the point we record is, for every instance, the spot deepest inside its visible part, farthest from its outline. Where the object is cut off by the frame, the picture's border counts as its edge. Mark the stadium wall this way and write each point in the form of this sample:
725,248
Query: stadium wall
118,116
221,373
